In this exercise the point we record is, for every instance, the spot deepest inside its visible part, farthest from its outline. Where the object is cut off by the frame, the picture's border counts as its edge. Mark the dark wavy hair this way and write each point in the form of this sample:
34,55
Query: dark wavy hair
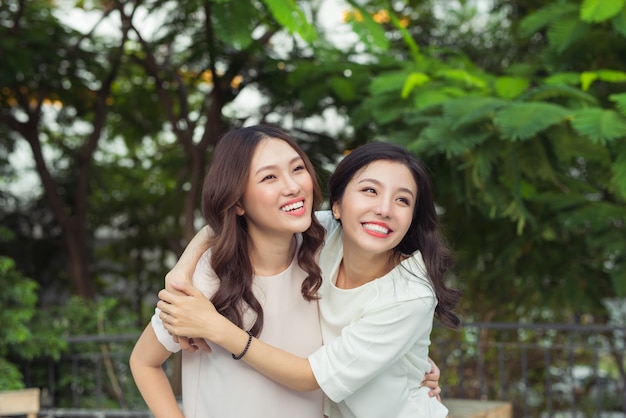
224,187
423,234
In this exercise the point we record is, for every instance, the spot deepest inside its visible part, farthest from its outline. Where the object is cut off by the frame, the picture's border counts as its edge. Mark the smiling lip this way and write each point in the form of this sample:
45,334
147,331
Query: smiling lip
294,207
377,229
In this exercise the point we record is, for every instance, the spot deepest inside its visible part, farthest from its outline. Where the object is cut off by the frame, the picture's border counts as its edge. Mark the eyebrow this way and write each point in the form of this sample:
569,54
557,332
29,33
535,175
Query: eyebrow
274,166
402,189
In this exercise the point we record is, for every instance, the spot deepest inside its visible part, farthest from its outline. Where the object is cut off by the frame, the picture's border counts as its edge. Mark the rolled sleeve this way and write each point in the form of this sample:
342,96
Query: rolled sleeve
164,337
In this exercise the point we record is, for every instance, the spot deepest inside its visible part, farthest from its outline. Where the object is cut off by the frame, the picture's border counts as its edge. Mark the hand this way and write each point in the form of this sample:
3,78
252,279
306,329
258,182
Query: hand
186,343
431,380
187,312
192,344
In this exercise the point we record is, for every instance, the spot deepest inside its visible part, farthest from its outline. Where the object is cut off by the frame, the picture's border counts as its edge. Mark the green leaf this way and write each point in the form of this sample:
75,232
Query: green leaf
468,79
612,76
390,81
599,125
414,79
439,137
343,88
594,11
620,101
428,98
470,110
522,121
232,25
567,78
292,18
619,22
587,78
510,87
408,39
563,33
556,91
619,174
538,20
387,114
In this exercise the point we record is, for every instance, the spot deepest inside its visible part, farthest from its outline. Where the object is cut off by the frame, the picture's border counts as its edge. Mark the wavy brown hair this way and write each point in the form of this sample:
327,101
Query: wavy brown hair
224,187
423,234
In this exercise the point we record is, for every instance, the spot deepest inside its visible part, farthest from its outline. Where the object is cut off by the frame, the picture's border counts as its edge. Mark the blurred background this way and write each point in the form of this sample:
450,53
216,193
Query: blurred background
109,111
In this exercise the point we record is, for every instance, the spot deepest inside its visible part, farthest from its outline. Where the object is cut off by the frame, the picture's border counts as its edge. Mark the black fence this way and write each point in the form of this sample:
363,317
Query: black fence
544,370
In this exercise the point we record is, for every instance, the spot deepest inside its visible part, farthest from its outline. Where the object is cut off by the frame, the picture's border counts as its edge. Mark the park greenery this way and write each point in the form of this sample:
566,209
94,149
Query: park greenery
519,111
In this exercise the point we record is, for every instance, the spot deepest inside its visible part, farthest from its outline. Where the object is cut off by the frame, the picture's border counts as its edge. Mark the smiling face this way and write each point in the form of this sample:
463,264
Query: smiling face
278,197
376,208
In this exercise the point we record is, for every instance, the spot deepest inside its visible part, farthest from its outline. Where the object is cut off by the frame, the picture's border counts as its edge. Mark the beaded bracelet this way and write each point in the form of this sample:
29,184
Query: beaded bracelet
245,350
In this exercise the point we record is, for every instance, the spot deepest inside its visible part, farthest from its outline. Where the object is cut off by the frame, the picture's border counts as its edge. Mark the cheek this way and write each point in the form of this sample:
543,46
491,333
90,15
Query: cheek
307,183
256,197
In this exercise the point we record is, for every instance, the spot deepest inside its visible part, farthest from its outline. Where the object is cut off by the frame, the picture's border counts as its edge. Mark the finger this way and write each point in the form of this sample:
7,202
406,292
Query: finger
434,370
172,276
185,288
167,296
435,392
164,306
187,344
164,316
430,382
202,345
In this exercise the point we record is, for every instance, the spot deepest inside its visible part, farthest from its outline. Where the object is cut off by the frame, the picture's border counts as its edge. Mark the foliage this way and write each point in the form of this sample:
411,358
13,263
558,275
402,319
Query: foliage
85,364
526,167
20,337
18,303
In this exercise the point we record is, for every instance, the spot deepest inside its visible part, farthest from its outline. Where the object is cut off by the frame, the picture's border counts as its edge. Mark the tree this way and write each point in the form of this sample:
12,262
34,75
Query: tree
53,72
86,91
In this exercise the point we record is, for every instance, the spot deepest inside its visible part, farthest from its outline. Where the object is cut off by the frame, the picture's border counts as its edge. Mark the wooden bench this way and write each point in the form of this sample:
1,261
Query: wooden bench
467,408
20,402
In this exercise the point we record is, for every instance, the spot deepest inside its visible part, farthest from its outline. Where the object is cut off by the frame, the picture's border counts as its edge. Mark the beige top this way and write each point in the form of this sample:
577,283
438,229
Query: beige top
216,386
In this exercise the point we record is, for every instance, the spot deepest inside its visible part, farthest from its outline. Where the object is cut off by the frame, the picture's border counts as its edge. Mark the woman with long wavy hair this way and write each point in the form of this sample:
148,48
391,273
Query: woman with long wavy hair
260,272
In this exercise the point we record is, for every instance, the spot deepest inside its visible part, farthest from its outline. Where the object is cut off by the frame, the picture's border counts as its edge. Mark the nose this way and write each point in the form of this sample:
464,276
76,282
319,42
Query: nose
383,207
290,185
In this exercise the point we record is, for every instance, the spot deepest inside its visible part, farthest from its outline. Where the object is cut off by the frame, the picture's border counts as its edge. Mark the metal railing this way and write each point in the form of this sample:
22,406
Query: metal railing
544,370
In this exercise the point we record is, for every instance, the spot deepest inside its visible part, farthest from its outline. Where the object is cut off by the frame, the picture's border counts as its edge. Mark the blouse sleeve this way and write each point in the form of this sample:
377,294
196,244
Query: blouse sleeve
203,279
161,333
371,344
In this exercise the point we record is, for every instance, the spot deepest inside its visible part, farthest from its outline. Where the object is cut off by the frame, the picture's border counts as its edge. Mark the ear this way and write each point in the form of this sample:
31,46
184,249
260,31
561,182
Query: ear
239,209
336,210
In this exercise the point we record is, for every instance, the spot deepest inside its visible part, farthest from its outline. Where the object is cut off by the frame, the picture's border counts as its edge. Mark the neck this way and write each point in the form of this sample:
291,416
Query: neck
271,256
357,270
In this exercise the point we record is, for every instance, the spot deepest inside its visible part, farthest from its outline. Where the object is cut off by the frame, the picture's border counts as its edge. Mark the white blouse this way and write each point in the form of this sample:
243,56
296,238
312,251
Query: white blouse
376,339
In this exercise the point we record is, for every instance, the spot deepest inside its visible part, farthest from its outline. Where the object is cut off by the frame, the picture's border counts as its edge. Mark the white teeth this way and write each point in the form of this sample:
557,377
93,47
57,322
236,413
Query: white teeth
376,228
293,206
